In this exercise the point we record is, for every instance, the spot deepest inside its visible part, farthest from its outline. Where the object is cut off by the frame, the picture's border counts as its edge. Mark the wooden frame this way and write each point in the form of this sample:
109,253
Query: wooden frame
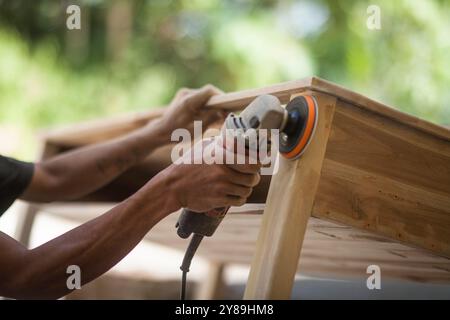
383,172
288,208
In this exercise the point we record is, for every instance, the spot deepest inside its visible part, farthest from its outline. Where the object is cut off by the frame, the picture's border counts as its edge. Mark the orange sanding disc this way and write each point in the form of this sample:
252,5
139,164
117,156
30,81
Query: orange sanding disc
300,126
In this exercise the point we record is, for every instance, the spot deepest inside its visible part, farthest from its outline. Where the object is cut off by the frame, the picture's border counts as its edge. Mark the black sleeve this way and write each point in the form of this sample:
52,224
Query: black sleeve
15,176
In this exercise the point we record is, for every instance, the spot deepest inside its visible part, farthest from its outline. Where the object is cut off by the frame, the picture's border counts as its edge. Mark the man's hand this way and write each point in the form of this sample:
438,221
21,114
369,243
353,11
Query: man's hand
77,173
188,106
202,187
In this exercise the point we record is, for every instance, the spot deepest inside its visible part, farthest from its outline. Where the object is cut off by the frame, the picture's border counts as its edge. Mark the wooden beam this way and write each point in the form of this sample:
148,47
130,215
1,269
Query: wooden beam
288,208
236,101
211,286
379,108
384,177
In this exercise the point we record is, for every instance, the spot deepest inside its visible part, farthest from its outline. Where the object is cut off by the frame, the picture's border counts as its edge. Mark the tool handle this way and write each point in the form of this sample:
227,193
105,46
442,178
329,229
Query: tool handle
202,223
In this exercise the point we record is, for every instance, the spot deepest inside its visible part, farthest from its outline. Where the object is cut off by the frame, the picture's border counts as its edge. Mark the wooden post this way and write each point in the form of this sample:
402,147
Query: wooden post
210,288
288,207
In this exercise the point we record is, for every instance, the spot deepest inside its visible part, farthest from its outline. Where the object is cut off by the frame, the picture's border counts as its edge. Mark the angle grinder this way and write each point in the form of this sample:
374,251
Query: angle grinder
296,124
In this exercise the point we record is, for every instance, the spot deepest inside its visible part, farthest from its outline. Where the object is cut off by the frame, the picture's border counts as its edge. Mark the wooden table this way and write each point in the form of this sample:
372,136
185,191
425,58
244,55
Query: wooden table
375,180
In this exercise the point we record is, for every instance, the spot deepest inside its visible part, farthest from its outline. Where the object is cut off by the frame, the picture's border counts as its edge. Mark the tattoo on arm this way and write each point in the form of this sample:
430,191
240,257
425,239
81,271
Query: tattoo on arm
119,164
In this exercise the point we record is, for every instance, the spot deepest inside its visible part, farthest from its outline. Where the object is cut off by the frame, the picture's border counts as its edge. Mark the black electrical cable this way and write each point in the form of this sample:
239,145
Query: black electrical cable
183,286
190,252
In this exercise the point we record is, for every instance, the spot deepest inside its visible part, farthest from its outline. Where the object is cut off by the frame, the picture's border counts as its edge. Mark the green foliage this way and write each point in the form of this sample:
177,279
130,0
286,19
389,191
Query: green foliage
51,76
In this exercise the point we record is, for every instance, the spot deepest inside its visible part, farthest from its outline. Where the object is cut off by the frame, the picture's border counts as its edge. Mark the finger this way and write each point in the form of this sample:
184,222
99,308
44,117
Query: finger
214,88
236,201
183,92
239,161
211,117
237,190
199,98
223,113
246,180
238,146
245,168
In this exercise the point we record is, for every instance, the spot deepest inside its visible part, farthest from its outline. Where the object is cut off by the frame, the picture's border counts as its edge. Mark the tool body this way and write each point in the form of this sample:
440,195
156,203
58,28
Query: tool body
296,124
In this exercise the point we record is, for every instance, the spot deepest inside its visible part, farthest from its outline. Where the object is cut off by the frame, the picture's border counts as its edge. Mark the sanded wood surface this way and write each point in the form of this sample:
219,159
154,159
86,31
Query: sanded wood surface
385,177
329,249
288,208
384,171
94,131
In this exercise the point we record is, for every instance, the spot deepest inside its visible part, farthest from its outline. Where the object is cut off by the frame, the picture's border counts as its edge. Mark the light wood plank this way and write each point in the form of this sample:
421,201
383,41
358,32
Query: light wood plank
235,101
288,207
386,178
211,287
343,94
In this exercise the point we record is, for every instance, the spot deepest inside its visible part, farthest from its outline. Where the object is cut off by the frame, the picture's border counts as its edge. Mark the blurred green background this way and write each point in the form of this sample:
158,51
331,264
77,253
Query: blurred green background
134,55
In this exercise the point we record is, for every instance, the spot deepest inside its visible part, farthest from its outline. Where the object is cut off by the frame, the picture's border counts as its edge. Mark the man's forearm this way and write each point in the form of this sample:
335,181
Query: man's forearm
82,171
95,246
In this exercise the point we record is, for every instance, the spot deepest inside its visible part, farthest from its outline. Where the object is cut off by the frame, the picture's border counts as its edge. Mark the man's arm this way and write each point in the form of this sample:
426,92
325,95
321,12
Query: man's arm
99,244
77,173
95,246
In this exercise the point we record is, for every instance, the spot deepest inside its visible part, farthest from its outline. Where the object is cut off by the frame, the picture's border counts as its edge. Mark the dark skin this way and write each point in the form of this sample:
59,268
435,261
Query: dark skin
99,244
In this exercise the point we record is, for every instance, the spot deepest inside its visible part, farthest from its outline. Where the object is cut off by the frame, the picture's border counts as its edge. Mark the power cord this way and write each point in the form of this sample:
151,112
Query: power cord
190,252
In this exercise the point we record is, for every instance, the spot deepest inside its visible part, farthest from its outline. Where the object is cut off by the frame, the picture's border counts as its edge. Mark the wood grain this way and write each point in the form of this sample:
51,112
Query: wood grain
95,131
394,176
384,171
386,178
288,208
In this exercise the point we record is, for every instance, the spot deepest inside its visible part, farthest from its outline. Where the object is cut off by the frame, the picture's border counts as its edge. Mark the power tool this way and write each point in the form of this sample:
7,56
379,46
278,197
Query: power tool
296,124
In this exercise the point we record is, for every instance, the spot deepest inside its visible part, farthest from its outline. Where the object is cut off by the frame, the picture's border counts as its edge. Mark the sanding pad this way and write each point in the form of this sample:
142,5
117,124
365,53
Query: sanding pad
299,129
